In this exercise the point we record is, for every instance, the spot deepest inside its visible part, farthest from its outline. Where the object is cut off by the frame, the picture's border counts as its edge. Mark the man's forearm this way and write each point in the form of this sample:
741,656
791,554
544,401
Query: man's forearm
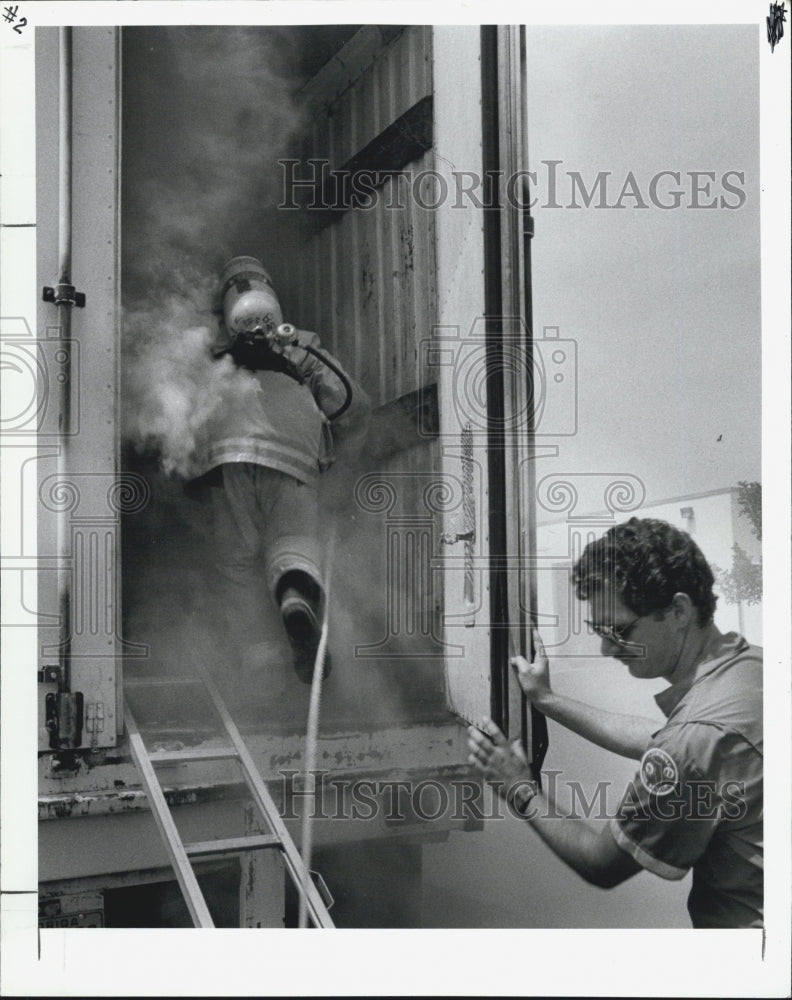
591,853
627,735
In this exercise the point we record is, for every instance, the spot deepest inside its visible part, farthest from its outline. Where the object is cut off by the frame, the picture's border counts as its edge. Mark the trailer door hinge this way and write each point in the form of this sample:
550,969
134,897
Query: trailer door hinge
64,719
63,295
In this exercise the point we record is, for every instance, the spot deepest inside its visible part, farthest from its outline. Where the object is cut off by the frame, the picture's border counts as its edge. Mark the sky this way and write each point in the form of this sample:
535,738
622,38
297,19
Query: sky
662,304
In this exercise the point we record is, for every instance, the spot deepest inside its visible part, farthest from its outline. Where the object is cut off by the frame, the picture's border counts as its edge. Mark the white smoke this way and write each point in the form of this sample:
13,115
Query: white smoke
174,387
207,113
210,111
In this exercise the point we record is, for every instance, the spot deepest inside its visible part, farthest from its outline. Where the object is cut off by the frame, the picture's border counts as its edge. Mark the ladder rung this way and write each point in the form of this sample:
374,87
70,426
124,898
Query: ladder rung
233,844
180,756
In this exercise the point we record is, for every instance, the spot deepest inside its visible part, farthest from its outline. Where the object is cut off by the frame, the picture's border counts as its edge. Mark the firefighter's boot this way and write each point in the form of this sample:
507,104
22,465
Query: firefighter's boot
302,620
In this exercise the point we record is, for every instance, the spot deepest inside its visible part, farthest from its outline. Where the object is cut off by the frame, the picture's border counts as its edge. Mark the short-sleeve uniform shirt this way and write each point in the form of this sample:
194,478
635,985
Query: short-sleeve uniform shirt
697,798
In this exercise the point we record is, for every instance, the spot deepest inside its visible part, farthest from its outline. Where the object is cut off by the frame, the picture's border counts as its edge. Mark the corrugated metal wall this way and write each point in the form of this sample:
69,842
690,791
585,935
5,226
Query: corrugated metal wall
367,285
367,279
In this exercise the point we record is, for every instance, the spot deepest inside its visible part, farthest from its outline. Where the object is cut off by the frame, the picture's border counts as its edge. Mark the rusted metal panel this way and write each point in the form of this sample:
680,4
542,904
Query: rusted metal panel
396,749
422,805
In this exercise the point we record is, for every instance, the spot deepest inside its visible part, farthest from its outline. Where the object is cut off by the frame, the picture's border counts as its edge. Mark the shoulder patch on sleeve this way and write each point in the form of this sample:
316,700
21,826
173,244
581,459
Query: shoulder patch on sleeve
658,771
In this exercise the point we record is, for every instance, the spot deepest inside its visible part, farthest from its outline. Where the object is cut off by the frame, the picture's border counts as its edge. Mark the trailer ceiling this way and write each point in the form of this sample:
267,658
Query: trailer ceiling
304,48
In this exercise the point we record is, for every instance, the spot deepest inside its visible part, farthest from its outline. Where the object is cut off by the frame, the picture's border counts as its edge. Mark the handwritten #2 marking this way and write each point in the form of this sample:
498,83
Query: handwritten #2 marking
10,14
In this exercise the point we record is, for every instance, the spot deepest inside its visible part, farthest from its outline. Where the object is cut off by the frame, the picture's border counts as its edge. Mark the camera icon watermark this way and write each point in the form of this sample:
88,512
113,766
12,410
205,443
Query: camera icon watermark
474,366
36,372
573,509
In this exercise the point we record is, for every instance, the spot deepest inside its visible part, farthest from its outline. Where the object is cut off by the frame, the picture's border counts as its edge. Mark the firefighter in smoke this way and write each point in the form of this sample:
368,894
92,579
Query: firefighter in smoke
263,455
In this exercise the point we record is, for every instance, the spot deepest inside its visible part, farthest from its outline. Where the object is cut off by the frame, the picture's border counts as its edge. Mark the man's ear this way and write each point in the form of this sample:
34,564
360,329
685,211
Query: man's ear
683,610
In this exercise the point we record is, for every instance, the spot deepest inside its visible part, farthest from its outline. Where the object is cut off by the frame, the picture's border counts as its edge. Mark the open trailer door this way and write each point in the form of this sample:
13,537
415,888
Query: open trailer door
422,285
80,496
455,357
483,352
395,282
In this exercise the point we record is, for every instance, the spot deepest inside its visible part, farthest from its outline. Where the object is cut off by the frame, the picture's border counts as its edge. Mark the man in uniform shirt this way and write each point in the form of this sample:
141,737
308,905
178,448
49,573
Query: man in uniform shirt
696,801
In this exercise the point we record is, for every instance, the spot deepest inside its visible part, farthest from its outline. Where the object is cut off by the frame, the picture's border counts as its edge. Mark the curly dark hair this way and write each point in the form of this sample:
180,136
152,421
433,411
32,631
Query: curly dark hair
647,562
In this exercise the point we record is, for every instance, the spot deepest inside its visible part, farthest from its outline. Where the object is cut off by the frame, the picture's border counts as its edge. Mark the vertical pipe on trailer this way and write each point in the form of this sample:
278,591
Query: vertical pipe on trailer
64,303
64,156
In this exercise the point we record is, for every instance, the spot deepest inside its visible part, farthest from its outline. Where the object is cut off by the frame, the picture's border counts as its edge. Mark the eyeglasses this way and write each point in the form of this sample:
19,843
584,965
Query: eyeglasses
615,633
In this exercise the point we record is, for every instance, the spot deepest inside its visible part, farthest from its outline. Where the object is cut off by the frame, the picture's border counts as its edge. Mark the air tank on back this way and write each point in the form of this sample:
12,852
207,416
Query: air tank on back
251,310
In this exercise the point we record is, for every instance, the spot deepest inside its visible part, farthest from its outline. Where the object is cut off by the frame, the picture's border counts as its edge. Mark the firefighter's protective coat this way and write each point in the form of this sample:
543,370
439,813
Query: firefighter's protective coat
283,425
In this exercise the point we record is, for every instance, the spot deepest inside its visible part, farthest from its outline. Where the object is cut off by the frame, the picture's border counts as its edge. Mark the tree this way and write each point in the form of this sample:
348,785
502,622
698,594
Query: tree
749,500
743,582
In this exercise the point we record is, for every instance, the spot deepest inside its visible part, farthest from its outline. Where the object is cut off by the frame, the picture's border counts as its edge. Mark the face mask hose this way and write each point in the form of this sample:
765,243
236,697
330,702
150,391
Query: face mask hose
286,335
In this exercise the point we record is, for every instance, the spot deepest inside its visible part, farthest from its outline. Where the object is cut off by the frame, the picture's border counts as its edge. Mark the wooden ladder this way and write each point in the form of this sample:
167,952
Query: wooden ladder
181,853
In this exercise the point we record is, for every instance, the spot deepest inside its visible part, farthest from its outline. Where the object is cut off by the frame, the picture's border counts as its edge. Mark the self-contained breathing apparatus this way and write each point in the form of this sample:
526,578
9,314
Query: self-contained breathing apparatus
259,339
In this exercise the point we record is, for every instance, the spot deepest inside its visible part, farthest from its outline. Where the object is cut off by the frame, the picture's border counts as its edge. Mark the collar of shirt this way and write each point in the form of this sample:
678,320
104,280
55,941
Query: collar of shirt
718,650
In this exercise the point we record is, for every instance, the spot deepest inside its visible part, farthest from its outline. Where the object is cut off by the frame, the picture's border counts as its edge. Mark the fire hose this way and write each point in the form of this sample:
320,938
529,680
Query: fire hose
286,335
312,730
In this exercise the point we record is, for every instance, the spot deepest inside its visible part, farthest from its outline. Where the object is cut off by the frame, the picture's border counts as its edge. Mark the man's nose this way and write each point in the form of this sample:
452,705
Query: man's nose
609,648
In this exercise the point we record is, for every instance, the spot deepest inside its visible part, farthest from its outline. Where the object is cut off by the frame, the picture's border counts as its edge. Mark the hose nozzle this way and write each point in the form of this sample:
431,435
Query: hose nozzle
285,335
